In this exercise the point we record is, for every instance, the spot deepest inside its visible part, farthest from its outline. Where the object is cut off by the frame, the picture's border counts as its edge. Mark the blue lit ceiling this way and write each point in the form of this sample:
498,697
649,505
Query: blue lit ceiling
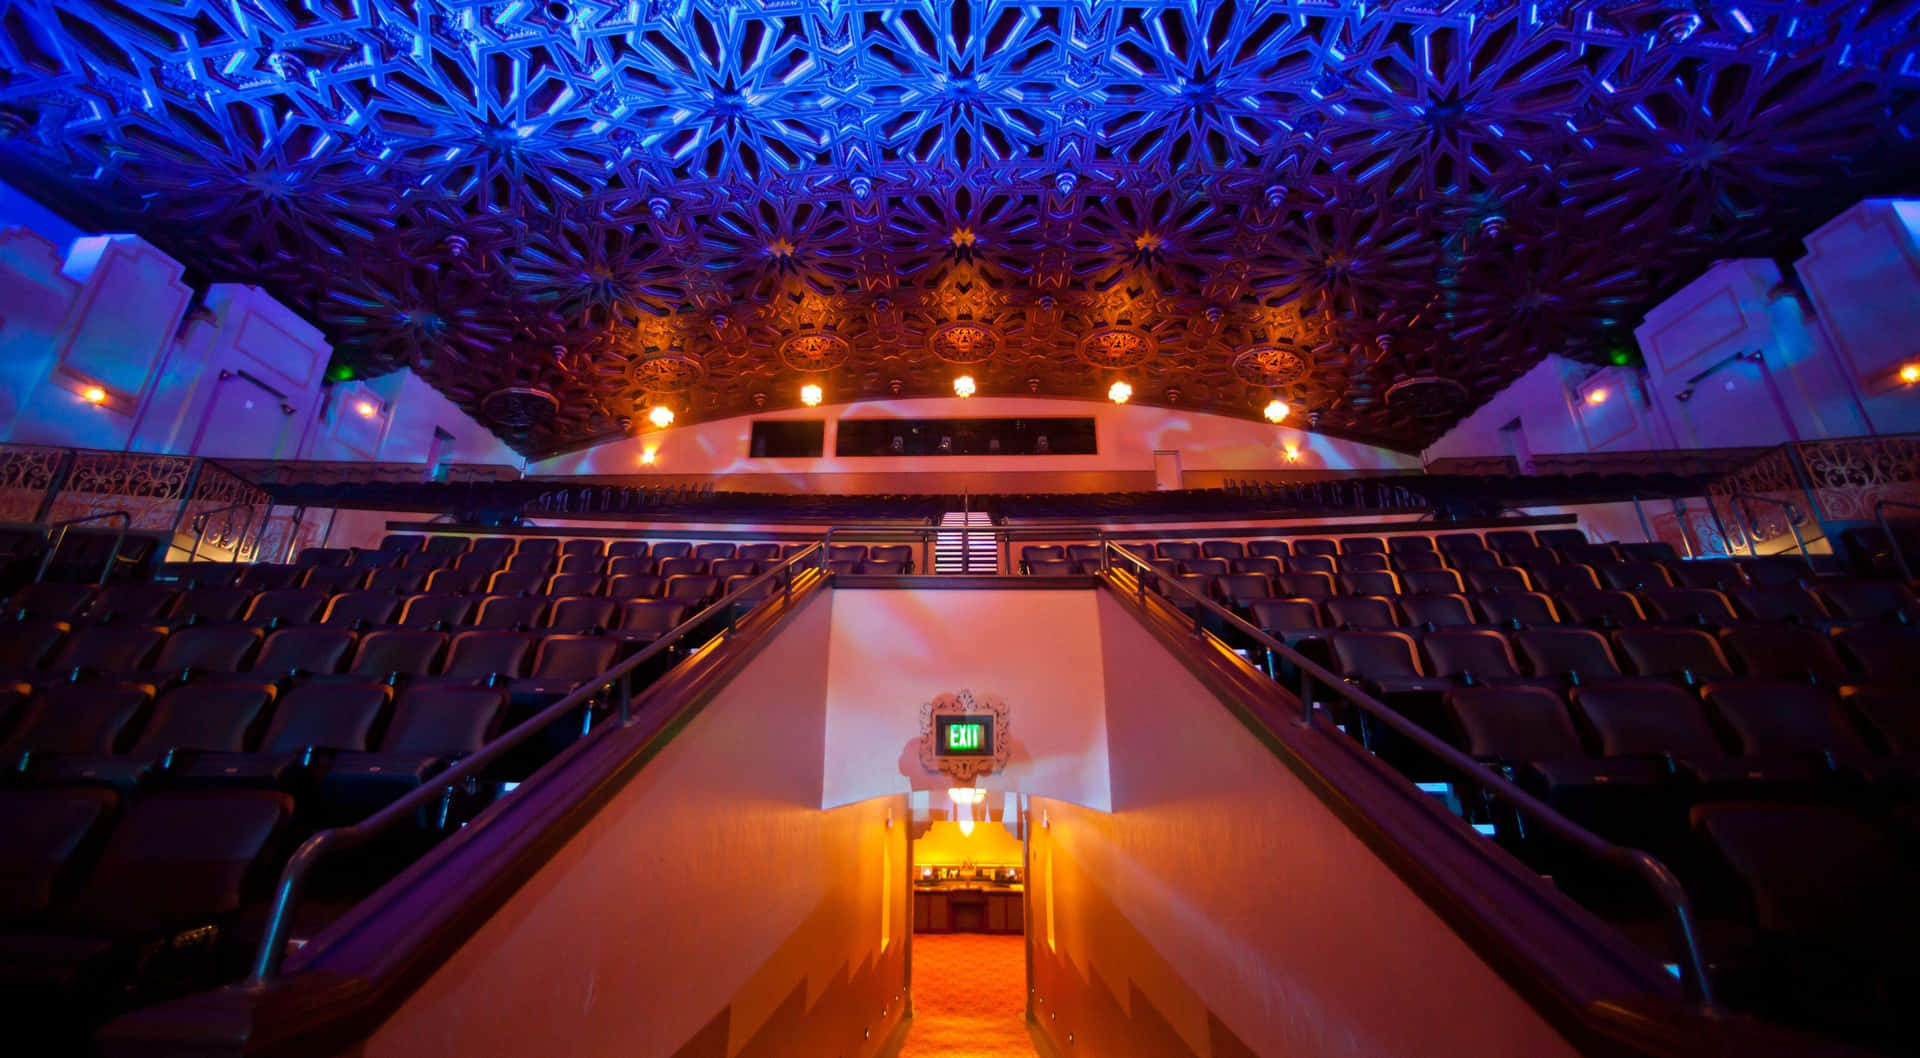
708,203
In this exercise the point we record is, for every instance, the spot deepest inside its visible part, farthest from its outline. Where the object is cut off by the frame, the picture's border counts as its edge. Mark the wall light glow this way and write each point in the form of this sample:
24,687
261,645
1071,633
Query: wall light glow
366,409
1119,392
1910,374
1277,410
93,395
1598,395
963,385
647,456
661,416
1292,452
811,395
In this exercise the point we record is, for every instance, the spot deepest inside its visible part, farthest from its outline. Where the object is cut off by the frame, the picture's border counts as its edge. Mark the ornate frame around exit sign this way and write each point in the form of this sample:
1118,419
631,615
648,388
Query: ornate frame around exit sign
963,770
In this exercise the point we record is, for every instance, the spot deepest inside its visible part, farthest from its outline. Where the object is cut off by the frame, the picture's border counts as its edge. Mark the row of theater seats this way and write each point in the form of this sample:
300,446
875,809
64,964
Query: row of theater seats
1753,723
197,725
109,902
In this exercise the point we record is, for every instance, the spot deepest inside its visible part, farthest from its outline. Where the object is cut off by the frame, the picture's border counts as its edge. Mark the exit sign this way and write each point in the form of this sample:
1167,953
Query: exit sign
964,736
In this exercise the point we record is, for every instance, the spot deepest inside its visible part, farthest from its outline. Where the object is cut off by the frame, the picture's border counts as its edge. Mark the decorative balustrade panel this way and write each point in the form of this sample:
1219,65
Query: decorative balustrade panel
147,486
1739,502
233,511
1848,477
27,472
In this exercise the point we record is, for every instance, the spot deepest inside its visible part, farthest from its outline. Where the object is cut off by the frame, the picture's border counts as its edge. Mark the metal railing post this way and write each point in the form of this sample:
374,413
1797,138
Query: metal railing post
56,484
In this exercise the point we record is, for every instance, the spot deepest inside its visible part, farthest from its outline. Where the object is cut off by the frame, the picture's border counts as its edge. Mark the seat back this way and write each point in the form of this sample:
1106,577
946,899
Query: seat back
1688,652
1303,585
398,652
477,654
42,836
510,611
1475,655
1580,654
294,606
335,716
583,613
1514,724
1359,611
1376,655
1225,549
396,581
439,721
1782,716
307,648
1780,650
1435,611
108,648
1634,718
361,608
78,718
207,648
578,658
217,717
181,859
1523,609
1279,617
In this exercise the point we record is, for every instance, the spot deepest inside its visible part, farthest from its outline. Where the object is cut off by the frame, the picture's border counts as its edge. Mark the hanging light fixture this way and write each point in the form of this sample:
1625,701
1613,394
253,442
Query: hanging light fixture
964,798
963,385
1119,393
1277,410
811,395
661,416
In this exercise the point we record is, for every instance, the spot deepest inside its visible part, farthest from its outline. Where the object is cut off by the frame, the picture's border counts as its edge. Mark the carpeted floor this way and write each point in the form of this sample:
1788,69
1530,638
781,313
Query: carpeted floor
969,997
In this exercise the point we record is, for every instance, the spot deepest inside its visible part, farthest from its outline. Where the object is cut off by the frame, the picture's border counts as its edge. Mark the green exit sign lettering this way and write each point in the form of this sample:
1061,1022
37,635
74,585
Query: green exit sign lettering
964,736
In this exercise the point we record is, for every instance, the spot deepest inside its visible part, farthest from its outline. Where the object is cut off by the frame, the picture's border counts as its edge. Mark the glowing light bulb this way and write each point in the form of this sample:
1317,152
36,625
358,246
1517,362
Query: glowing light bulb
963,385
93,395
647,456
366,409
1598,395
661,416
1292,453
1119,392
811,395
1277,411
1910,374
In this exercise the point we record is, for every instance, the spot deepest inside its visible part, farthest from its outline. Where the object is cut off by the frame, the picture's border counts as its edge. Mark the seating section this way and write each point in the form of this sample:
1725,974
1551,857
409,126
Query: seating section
1753,722
166,742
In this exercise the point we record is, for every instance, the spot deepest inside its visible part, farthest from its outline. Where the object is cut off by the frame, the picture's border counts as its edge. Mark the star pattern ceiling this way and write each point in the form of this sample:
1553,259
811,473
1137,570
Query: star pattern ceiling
708,203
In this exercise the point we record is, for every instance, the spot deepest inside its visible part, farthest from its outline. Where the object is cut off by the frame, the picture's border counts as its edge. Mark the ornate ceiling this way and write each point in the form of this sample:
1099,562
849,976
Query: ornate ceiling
1380,211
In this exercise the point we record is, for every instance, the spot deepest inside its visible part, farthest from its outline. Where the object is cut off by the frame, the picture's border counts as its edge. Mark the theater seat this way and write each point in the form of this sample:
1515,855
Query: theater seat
1871,600
310,723
636,586
1636,576
1435,611
107,648
1779,650
1689,654
1385,663
44,835
303,650
1360,612
432,727
644,620
1492,579
212,717
1783,718
67,719
206,648
1577,655
1516,609
27,645
480,655
1884,653
360,609
1602,609
501,611
1430,582
1689,606
768,553
1472,656
1831,895
1405,562
1789,602
395,652
583,614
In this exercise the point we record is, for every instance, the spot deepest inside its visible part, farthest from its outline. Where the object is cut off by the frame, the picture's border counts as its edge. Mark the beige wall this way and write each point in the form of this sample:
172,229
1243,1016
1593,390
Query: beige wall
1210,446
894,649
711,909
1221,909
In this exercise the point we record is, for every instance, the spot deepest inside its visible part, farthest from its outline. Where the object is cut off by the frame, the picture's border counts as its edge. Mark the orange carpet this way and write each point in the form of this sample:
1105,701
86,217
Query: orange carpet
969,997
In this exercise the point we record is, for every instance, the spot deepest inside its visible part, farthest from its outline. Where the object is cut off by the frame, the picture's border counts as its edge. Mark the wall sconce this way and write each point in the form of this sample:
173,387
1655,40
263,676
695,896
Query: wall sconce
648,455
964,385
367,409
811,395
1292,453
1119,392
94,395
1277,411
661,416
1910,374
1598,395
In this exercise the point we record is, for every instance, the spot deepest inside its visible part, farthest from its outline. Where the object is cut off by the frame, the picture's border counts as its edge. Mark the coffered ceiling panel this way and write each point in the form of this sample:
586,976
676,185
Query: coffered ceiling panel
1381,212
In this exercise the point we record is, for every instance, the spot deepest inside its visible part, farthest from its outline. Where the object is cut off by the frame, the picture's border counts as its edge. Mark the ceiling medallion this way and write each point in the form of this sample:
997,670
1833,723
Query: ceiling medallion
1117,347
665,374
814,352
1426,396
1270,365
519,407
964,343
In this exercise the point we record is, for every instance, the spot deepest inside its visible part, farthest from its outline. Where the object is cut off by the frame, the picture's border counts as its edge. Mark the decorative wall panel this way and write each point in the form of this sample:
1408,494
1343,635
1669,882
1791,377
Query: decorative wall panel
629,203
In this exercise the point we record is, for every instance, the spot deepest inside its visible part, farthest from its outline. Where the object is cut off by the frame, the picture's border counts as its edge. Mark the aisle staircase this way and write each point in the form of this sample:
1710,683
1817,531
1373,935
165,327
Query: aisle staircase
955,552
